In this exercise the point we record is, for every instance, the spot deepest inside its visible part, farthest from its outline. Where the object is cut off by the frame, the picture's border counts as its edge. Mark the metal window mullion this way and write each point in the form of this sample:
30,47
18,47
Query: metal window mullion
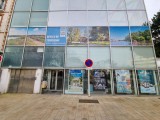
26,34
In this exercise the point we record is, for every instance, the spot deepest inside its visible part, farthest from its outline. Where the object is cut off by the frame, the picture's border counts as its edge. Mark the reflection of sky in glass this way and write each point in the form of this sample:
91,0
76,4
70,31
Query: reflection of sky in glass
36,31
17,31
139,28
118,33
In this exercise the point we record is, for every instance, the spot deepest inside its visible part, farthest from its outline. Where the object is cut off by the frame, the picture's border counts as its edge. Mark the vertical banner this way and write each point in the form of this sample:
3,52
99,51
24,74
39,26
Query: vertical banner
123,81
146,79
56,36
75,85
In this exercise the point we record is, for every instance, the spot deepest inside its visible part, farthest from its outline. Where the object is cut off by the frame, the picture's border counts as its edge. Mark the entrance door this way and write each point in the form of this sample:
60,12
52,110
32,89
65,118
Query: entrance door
55,79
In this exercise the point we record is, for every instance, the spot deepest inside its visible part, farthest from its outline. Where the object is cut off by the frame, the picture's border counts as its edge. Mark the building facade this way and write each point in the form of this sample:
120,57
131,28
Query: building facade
50,40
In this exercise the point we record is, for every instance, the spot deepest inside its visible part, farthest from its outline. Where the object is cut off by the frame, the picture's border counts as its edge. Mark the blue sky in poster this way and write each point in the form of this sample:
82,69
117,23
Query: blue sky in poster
17,31
36,31
119,33
56,36
139,28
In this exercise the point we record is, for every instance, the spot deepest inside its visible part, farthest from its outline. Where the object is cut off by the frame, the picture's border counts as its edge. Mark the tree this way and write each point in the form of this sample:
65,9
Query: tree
155,29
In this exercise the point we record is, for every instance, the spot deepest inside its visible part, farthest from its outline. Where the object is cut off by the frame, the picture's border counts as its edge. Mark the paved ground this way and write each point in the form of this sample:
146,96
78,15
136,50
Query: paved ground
67,107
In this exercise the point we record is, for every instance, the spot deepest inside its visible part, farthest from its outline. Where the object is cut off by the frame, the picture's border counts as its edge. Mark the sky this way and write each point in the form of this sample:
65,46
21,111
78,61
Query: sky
152,7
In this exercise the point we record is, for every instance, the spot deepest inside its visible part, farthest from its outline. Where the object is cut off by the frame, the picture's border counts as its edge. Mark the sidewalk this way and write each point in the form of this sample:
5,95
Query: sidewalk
67,107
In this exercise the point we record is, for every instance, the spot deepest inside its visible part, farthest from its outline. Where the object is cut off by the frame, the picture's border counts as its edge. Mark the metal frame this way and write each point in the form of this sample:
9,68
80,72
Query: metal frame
134,69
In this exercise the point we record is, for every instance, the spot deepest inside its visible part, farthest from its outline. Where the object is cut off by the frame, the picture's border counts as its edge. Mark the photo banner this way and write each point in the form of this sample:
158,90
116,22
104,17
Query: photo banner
146,79
123,81
75,82
56,36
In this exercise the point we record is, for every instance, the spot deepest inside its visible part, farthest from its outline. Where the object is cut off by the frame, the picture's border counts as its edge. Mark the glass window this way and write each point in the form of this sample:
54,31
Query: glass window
33,57
77,36
20,19
144,57
135,5
12,57
96,5
54,57
100,56
117,18
57,18
123,81
141,35
116,5
137,18
98,36
77,5
121,57
40,5
77,18
38,19
76,57
119,36
146,81
97,18
23,5
36,36
58,5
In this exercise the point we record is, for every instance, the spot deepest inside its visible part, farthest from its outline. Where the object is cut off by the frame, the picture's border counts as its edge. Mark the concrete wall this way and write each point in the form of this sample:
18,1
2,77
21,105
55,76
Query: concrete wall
158,63
5,79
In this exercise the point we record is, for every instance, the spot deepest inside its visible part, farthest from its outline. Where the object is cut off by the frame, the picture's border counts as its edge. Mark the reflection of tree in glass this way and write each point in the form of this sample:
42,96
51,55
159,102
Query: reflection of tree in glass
141,37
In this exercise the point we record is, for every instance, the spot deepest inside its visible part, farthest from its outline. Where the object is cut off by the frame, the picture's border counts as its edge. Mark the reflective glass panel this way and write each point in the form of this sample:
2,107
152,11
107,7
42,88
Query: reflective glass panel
135,5
57,18
39,5
77,36
58,5
137,18
144,57
33,57
116,5
96,5
117,18
100,56
98,36
76,57
141,35
20,19
97,18
77,18
23,5
122,57
38,19
119,36
77,5
12,57
54,57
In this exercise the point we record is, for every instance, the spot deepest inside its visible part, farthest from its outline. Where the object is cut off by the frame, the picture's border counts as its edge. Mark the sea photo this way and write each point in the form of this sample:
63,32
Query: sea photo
120,36
36,36
77,36
98,36
140,35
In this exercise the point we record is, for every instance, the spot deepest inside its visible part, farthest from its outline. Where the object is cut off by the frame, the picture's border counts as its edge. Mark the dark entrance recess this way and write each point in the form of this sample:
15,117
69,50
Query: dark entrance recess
88,101
22,81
